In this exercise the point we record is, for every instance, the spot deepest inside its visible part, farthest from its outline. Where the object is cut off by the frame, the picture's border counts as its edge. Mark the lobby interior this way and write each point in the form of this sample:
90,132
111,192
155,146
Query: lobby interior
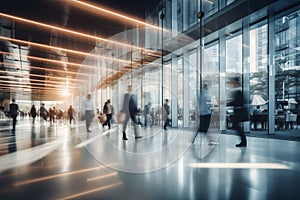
55,53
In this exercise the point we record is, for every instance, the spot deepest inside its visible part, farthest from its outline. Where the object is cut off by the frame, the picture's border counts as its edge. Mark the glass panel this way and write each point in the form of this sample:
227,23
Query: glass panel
192,12
233,67
209,7
192,87
180,91
287,66
259,77
229,2
179,15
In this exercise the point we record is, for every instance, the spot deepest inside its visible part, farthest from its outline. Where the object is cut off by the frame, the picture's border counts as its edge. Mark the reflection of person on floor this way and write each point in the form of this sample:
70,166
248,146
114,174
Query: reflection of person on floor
130,109
204,109
88,108
236,100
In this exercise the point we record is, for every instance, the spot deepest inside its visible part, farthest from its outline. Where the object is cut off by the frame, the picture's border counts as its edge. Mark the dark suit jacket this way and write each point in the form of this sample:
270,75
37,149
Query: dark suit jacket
13,109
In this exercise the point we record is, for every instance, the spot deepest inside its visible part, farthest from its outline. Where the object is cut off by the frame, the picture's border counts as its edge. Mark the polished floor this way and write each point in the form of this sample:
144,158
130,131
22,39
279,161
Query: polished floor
59,161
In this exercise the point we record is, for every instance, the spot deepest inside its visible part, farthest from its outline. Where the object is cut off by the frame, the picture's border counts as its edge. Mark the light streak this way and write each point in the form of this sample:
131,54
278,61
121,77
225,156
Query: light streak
115,14
51,60
93,190
38,75
102,177
10,65
61,49
57,176
66,30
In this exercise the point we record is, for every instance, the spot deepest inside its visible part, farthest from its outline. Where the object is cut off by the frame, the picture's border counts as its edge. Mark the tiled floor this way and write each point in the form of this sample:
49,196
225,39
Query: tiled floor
61,162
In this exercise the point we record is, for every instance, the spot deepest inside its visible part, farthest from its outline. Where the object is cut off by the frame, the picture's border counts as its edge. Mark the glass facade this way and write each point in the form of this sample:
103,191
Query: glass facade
262,47
251,49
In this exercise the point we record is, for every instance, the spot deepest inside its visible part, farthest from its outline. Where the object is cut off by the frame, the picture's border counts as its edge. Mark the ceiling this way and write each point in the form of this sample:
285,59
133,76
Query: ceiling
35,65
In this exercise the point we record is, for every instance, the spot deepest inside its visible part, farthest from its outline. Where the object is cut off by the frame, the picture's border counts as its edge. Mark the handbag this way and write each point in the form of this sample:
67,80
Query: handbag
121,117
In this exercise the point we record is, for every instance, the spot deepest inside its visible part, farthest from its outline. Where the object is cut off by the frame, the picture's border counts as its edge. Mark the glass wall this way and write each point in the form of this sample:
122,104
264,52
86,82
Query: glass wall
287,66
259,76
183,71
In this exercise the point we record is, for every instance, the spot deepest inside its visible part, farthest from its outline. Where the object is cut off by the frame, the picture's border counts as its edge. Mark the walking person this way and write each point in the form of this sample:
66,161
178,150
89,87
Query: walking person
70,113
13,112
43,112
166,113
33,113
108,111
88,108
204,111
130,109
147,114
241,113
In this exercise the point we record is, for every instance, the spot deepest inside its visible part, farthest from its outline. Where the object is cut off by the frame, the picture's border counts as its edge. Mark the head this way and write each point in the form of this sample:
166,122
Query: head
129,88
108,101
167,100
13,100
89,96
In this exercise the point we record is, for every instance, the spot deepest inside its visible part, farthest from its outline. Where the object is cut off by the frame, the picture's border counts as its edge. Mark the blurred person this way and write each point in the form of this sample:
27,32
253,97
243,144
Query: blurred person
108,110
88,108
33,113
241,113
13,112
43,112
204,111
257,111
70,113
166,113
130,109
147,114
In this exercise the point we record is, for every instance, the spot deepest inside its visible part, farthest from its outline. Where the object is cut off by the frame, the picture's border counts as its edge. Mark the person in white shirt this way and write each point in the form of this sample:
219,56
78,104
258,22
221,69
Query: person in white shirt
88,108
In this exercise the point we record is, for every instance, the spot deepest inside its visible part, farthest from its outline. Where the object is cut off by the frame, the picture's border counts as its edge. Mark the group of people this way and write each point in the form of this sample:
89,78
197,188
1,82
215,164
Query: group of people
131,111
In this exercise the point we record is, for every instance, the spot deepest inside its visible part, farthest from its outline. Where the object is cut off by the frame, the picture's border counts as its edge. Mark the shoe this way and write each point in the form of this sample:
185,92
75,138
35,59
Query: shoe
89,131
241,145
125,138
165,128
138,137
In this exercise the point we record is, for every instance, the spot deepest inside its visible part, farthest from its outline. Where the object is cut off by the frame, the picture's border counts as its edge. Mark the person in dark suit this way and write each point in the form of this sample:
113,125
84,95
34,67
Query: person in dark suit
241,114
33,113
130,109
13,112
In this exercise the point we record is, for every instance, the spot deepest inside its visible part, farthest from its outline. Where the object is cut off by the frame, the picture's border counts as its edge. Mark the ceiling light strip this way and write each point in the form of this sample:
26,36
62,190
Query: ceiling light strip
66,30
61,49
114,14
10,65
